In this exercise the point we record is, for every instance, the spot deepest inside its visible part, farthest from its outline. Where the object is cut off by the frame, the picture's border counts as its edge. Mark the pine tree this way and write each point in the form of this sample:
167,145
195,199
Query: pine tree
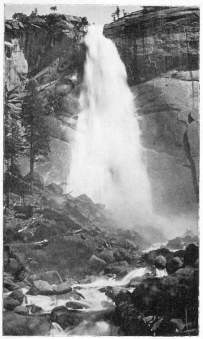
14,142
34,122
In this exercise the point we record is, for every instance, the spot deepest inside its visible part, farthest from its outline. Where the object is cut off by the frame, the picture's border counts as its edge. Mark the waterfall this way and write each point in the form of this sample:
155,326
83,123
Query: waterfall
107,159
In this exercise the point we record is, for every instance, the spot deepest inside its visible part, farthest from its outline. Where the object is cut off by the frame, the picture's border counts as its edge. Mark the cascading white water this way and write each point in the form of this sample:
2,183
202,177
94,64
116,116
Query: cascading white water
107,157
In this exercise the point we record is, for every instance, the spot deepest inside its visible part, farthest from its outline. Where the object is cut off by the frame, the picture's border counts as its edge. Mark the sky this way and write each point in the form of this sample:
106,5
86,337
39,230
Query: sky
99,14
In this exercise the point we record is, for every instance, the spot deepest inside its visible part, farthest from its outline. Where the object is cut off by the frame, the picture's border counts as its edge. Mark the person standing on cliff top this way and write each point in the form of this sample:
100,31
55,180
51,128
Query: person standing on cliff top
117,12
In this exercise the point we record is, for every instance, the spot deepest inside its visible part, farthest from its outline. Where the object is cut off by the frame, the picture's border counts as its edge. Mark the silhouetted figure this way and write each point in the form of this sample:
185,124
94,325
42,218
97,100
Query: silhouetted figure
113,16
117,12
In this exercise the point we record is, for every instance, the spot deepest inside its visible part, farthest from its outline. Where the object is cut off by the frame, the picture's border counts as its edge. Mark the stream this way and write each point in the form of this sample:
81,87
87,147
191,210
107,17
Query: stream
93,304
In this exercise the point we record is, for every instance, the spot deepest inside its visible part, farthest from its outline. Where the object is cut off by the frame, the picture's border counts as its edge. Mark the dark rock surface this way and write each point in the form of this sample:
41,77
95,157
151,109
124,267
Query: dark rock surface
174,264
155,40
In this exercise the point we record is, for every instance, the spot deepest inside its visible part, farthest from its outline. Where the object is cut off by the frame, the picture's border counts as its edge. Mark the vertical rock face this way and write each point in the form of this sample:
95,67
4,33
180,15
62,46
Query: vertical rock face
160,49
156,40
48,49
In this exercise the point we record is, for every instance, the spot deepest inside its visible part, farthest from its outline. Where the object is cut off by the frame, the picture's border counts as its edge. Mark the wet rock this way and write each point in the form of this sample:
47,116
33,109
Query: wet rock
21,310
96,263
173,265
60,316
17,295
160,262
75,295
62,288
191,255
120,269
64,317
43,286
76,305
35,309
10,303
15,324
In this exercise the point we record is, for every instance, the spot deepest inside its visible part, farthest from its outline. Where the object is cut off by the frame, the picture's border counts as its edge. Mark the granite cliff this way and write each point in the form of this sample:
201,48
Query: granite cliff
160,49
49,50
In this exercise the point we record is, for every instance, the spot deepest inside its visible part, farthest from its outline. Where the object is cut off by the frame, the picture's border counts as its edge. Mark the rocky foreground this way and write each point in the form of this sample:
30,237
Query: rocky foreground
54,245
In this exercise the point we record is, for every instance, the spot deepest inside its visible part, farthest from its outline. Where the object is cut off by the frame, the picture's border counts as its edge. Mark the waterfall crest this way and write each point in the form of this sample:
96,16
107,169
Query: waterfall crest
107,157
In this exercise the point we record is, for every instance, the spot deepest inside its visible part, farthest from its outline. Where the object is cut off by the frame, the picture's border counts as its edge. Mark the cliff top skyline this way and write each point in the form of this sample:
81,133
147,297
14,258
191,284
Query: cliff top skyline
97,13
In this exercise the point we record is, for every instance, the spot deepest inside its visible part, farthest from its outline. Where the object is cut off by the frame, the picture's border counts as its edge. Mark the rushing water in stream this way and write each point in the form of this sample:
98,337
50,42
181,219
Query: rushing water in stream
95,301
107,157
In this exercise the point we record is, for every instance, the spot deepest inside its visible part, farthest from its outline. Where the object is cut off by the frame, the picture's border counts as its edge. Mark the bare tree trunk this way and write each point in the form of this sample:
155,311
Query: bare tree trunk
31,159
192,165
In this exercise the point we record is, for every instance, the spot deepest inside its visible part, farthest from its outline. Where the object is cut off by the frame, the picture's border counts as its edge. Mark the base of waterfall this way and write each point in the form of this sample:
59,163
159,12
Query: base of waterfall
159,298
70,270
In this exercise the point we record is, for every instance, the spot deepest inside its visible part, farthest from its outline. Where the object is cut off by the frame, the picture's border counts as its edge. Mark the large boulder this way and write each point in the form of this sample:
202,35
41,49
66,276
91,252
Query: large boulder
173,265
107,256
97,264
10,303
17,295
64,317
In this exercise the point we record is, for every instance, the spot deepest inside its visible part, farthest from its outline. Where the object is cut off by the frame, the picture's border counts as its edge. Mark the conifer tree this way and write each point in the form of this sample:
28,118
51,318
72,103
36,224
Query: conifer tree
34,122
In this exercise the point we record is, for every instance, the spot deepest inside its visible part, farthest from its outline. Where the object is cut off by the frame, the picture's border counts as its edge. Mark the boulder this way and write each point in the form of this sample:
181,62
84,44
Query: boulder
21,310
35,309
10,303
64,317
63,288
15,324
60,316
160,262
173,265
107,256
76,305
41,287
96,263
74,295
17,295
191,255
120,269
